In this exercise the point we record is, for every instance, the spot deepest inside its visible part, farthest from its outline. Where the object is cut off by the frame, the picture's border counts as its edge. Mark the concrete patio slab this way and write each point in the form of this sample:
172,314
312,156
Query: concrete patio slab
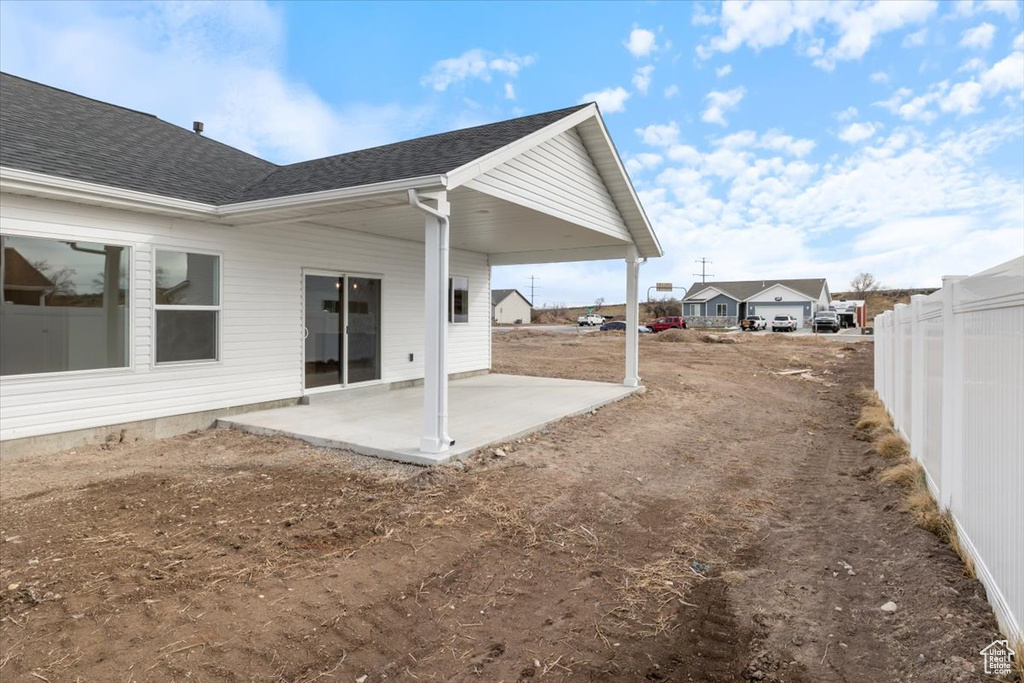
483,410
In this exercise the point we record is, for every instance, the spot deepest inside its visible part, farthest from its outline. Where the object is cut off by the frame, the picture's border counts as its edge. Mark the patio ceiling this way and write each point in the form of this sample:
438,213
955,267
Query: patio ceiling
509,232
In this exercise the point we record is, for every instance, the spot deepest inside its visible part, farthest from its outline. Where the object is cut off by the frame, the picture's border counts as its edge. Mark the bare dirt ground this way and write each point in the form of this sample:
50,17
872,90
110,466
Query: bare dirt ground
724,526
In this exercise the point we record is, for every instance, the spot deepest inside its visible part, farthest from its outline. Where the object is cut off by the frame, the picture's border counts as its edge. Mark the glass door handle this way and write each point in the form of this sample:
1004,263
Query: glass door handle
305,333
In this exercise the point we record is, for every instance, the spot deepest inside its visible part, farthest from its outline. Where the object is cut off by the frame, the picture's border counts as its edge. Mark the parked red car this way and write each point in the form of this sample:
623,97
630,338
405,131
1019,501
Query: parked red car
668,323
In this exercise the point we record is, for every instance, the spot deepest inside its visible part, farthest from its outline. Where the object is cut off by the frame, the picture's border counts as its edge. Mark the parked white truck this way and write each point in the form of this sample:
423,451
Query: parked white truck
590,319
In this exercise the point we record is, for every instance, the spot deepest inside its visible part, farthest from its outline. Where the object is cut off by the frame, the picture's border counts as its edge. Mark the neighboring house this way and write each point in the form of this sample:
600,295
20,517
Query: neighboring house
510,307
721,304
202,278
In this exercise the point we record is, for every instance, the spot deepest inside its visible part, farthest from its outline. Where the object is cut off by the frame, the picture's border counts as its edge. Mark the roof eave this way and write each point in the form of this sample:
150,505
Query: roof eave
20,181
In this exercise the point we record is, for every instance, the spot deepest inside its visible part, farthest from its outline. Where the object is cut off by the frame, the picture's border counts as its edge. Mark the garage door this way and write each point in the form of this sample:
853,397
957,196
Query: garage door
795,311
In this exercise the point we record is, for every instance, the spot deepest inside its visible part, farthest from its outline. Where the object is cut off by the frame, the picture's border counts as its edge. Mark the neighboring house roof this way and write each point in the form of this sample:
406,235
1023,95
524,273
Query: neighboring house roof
55,132
499,295
743,290
20,274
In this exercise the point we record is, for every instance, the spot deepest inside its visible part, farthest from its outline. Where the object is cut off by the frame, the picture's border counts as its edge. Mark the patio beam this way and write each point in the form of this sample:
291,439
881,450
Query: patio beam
435,437
632,317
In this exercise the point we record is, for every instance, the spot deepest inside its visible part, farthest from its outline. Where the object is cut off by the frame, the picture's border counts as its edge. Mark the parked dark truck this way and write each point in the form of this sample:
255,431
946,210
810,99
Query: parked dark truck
825,321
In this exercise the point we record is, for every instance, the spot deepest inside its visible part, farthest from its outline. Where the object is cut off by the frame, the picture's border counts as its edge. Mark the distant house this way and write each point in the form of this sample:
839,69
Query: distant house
24,284
720,304
510,307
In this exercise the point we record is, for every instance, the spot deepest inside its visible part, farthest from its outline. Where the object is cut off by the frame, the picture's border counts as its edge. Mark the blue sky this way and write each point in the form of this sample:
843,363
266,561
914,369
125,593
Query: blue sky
776,139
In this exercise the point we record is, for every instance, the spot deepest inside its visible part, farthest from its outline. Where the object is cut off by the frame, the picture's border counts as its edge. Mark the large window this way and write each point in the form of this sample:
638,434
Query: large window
694,309
458,299
65,305
721,309
187,306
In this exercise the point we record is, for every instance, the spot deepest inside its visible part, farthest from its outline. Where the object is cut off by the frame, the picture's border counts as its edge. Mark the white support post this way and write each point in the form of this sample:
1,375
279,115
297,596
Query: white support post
917,379
900,367
952,396
632,318
435,438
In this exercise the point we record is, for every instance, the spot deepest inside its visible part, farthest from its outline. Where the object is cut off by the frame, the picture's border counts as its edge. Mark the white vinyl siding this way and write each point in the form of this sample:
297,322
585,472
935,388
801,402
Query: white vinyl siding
558,178
261,316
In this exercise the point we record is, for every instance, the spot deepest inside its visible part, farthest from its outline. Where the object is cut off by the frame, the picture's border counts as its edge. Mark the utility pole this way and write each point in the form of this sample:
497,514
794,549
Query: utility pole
532,287
704,275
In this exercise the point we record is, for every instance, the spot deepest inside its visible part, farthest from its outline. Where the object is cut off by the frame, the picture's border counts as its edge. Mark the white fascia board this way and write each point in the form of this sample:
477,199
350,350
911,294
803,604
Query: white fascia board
18,181
800,295
463,174
317,199
558,255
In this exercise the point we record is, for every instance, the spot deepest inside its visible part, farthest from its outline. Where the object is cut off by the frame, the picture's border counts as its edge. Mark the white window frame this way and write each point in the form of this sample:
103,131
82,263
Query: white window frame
170,307
721,310
451,300
129,317
694,310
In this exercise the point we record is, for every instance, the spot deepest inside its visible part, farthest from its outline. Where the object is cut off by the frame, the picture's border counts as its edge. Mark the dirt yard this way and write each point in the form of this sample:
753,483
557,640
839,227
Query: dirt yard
724,526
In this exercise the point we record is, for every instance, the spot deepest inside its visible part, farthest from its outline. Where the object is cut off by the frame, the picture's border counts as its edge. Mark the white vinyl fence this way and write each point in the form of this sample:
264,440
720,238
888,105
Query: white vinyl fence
949,368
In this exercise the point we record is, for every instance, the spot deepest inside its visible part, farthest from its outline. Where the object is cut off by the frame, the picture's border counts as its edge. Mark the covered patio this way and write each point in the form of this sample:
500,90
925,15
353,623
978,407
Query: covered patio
557,193
485,410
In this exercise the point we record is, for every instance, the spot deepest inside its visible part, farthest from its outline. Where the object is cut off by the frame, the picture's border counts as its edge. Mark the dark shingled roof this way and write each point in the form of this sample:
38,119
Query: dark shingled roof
58,133
498,295
431,155
52,131
742,290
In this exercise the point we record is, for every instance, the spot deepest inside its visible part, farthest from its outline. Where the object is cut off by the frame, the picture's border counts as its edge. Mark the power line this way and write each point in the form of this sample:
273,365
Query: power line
704,275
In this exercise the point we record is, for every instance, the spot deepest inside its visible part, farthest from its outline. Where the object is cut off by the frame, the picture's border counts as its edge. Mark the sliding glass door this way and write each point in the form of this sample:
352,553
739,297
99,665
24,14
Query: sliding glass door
342,330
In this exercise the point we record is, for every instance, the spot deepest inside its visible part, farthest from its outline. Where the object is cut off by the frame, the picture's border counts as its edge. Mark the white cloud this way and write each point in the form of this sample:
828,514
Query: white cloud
221,63
776,140
1007,74
671,91
879,77
723,71
643,161
916,39
857,132
963,98
659,135
473,64
980,37
847,114
1018,42
721,102
969,8
642,78
641,42
510,91
610,100
856,26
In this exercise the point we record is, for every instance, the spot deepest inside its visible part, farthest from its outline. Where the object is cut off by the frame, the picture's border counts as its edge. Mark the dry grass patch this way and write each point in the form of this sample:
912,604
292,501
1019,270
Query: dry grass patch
908,475
874,420
892,447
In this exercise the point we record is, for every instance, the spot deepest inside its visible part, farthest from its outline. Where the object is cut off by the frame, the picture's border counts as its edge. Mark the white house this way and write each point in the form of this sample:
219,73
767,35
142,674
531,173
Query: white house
510,307
152,273
721,304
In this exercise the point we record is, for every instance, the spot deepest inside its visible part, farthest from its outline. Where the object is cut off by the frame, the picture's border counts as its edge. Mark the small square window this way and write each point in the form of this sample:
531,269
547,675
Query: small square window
458,300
